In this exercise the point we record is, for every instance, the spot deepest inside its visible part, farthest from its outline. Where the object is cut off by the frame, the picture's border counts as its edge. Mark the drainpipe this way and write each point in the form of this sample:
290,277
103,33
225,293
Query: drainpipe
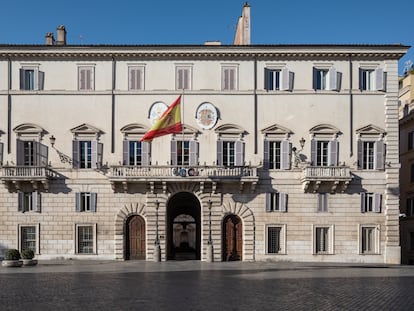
351,109
113,105
255,104
9,106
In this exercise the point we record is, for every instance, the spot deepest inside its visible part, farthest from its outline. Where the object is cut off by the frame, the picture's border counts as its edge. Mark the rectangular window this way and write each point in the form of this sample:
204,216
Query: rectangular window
367,79
368,154
136,78
372,79
228,153
28,201
412,172
322,153
276,202
183,152
85,152
85,239
183,78
322,240
410,207
368,240
321,76
371,202
31,79
86,201
135,153
273,240
229,78
371,155
29,153
28,238
275,154
411,140
272,78
322,202
86,79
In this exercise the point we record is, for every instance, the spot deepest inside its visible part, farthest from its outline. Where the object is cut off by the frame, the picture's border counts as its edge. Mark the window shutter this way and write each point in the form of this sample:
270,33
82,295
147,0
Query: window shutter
332,79
132,79
82,81
90,79
232,79
268,202
361,80
239,148
322,202
75,153
220,152
125,152
285,147
379,155
1,153
193,153
379,80
186,79
284,79
314,150
315,78
146,148
78,201
266,149
333,152
93,201
94,154
291,80
20,201
338,81
22,79
283,202
42,154
377,202
360,160
266,79
19,152
362,202
173,152
41,80
100,155
36,201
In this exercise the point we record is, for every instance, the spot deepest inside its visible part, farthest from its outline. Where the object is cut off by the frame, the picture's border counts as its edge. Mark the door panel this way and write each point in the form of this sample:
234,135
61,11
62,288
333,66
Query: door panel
136,238
232,238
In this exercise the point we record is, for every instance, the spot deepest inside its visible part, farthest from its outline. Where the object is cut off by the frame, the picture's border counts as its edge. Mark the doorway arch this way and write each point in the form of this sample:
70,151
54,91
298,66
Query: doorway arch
183,227
232,238
135,238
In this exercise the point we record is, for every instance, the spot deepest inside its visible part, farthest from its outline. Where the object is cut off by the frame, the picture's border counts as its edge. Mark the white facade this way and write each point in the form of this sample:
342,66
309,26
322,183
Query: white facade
335,199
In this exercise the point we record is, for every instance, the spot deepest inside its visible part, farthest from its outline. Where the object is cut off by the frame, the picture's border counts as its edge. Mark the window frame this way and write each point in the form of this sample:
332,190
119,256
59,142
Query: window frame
276,202
93,227
282,239
29,201
324,151
326,78
37,79
183,77
86,202
371,202
136,77
322,202
377,78
229,78
329,235
375,244
37,236
86,83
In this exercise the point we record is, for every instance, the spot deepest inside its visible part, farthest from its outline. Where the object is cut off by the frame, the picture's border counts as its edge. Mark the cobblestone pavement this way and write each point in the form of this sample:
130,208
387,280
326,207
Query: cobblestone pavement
194,285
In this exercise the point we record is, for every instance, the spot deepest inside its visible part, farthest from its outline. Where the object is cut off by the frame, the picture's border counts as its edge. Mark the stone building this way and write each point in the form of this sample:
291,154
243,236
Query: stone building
288,153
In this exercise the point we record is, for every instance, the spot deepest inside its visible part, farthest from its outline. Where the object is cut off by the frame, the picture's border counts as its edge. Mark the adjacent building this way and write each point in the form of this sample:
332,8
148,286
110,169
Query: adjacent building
288,153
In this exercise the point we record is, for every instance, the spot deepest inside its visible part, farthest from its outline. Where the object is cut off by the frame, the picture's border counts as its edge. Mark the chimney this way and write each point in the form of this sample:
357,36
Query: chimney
242,36
61,35
50,40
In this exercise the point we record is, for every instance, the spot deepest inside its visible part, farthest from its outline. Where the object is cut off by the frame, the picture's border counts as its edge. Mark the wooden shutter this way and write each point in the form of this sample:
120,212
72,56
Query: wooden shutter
239,149
193,153
333,152
1,153
186,85
322,202
361,80
338,81
266,155
75,154
379,80
283,202
42,154
268,202
36,201
100,155
284,79
266,79
291,80
20,201
125,152
379,155
19,152
315,78
82,79
146,153
93,201
94,154
332,79
314,150
22,79
285,152
174,152
360,151
220,152
362,202
377,202
78,201
41,80
135,79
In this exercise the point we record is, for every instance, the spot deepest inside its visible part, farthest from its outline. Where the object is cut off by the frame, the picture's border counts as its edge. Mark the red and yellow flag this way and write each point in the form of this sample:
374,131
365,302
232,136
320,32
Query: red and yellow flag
168,123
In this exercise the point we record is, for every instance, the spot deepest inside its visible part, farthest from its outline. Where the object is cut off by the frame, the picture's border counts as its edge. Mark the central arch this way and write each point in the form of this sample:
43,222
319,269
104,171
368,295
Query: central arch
183,227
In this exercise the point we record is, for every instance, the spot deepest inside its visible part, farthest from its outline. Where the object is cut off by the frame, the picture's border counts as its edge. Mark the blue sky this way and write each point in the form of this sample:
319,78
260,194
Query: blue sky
193,22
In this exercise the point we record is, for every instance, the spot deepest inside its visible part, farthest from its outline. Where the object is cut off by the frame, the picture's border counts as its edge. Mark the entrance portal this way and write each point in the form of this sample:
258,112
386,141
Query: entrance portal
135,238
232,238
183,227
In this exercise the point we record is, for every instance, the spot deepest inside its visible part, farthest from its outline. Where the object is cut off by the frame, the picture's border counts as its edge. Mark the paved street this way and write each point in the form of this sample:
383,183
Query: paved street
194,285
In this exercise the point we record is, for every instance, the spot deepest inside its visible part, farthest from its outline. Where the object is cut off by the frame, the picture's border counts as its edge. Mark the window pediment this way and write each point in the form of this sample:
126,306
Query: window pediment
370,130
29,129
324,129
86,129
134,128
276,130
230,129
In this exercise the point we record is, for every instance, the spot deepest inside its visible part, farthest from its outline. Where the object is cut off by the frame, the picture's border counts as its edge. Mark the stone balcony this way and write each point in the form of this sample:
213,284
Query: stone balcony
330,178
212,175
26,178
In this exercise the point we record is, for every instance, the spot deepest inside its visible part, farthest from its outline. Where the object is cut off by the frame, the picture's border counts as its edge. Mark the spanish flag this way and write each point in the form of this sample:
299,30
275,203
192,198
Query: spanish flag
168,123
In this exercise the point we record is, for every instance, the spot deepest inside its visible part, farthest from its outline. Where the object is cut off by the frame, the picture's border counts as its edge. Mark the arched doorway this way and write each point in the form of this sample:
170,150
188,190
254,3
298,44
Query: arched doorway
183,227
232,238
135,238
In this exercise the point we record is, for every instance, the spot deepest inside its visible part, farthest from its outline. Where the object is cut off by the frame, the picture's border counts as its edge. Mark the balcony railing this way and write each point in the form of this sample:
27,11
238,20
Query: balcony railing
332,176
24,172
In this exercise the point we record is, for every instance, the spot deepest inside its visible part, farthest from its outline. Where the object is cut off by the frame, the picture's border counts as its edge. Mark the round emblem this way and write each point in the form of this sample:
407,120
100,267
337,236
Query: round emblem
206,116
156,110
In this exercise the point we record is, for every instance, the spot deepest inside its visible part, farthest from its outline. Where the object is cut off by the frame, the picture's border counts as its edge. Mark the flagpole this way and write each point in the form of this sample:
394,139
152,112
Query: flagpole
182,127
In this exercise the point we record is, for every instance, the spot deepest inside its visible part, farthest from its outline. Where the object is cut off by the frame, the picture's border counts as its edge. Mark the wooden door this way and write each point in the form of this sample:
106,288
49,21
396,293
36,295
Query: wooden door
232,238
136,238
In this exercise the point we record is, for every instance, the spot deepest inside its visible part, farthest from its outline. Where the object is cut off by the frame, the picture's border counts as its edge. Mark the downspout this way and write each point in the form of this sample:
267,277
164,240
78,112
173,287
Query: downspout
255,104
9,105
113,105
351,109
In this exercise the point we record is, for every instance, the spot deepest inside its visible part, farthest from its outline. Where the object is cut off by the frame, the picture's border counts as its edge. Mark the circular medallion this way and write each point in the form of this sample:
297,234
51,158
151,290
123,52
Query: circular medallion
206,116
156,110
